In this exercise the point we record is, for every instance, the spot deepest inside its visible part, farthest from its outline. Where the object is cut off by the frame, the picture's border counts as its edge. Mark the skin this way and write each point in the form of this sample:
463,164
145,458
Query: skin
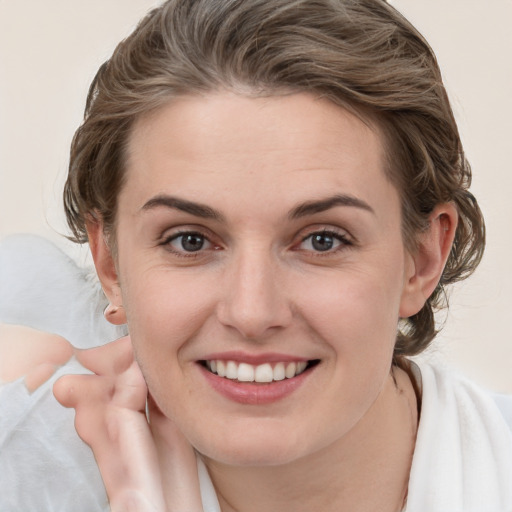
259,285
31,354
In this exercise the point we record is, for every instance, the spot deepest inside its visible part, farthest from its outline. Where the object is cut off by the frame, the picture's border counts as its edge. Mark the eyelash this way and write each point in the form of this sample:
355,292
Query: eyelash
167,243
343,243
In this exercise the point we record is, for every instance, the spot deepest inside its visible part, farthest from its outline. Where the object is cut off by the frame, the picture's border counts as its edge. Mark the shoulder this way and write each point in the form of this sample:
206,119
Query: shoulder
444,386
457,397
463,456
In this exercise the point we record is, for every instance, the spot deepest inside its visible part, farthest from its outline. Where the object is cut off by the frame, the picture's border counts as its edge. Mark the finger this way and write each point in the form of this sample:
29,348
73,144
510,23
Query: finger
136,468
133,500
110,417
130,389
112,358
90,396
71,390
177,459
120,439
127,391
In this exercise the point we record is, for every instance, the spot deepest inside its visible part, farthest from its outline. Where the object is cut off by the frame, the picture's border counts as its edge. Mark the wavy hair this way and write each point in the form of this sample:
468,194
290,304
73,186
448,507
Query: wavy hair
360,54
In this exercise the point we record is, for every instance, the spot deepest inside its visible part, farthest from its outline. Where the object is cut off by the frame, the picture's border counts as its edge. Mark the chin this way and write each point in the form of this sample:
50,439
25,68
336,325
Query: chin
261,451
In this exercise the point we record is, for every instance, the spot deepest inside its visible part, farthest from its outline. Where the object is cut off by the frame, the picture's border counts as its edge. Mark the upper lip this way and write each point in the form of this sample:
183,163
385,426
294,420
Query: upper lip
254,359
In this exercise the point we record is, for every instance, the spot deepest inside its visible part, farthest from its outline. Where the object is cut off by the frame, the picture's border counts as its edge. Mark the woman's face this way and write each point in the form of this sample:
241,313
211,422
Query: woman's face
258,237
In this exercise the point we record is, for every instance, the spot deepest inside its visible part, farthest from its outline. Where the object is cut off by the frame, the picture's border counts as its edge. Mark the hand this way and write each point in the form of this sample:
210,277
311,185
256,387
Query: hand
32,354
145,466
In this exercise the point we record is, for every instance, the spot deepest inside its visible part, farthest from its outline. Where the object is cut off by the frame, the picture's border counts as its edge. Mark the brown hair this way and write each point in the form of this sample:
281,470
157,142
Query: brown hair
360,54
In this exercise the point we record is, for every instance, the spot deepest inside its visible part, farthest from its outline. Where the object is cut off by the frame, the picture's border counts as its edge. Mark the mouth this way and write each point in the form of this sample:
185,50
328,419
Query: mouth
265,373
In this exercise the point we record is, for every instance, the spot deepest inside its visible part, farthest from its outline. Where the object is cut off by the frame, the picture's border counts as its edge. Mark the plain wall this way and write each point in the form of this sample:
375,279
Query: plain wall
50,50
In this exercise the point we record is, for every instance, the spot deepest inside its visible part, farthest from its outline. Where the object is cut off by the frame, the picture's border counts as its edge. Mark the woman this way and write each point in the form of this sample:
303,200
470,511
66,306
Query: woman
275,195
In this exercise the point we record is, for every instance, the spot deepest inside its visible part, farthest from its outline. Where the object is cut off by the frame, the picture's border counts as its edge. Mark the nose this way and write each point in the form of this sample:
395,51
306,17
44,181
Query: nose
254,299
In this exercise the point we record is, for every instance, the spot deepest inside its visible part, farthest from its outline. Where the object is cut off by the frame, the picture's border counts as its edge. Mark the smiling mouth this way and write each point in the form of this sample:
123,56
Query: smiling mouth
262,373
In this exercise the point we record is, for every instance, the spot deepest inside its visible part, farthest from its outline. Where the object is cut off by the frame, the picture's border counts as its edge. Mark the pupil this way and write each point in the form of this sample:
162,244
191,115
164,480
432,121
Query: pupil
322,242
192,243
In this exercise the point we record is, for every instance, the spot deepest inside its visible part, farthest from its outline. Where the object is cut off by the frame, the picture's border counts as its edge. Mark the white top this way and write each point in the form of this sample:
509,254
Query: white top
462,460
463,456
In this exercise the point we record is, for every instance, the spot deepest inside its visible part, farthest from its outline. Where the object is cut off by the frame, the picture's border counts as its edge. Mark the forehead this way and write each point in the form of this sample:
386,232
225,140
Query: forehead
295,144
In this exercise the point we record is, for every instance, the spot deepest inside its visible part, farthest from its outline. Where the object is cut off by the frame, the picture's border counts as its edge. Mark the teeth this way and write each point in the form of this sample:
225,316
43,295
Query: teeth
244,372
279,372
263,373
291,369
301,367
232,370
221,368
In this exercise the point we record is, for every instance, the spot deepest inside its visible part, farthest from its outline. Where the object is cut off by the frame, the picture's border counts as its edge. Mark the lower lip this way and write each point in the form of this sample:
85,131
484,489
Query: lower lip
253,393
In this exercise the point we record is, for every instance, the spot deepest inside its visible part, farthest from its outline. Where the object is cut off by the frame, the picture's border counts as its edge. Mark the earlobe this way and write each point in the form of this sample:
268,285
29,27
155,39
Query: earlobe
106,270
426,265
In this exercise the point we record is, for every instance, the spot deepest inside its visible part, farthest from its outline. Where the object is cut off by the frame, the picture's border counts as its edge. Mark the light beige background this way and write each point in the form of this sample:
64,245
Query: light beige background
49,51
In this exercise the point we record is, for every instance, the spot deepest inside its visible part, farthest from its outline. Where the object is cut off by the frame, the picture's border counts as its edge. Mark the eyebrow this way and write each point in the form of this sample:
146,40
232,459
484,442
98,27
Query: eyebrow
322,205
302,210
196,209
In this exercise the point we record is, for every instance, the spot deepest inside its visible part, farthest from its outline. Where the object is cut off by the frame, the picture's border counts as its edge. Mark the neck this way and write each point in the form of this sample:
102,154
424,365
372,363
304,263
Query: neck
367,469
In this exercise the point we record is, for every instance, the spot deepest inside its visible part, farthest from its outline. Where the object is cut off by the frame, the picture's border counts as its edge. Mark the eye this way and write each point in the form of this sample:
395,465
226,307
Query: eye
188,242
324,241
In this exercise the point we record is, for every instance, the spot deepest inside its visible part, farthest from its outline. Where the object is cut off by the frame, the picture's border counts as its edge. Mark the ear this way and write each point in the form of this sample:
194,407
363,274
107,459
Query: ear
106,270
425,267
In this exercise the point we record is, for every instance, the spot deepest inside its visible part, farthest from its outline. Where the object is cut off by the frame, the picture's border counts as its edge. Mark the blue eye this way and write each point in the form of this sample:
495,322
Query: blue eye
323,241
189,242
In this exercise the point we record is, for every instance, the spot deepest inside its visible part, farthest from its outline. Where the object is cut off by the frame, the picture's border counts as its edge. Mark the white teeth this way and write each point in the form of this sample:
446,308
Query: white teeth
232,370
221,369
291,369
301,367
263,373
279,373
245,372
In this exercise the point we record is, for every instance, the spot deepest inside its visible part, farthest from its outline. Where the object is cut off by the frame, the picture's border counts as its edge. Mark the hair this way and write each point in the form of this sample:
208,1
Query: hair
360,54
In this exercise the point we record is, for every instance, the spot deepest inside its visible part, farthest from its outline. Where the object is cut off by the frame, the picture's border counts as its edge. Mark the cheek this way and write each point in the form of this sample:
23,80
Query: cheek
166,310
356,314
171,300
356,319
